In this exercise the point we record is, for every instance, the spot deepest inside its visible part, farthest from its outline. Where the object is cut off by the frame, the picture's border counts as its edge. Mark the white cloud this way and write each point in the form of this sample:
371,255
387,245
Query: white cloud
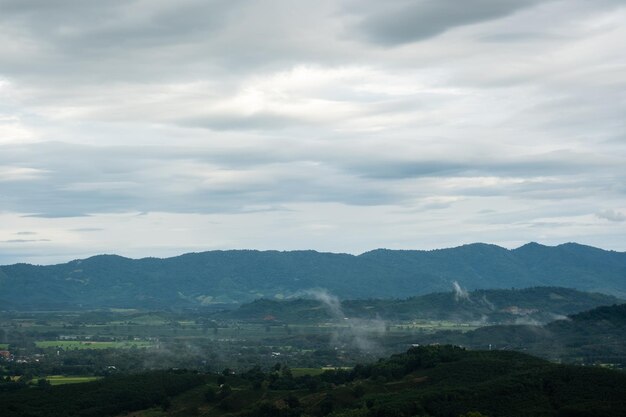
12,174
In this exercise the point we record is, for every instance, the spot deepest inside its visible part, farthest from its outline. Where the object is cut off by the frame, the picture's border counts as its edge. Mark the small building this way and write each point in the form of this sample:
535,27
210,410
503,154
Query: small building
5,354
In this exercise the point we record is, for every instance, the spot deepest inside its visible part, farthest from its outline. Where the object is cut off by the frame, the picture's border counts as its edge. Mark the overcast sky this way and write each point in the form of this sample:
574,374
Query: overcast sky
153,127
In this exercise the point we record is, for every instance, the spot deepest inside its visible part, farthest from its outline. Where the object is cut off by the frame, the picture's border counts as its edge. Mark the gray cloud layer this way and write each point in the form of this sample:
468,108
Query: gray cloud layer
402,21
334,118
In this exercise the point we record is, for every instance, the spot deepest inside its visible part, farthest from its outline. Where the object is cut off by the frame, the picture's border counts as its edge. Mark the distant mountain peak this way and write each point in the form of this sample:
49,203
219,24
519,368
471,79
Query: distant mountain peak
531,245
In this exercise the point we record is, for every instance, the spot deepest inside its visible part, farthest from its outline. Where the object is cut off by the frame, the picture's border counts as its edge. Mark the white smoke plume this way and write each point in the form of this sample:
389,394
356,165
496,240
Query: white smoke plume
359,333
365,332
528,321
459,292
488,303
331,302
554,317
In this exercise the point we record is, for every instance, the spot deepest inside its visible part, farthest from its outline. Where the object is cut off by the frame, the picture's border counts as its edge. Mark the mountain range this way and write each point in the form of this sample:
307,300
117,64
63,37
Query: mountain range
218,278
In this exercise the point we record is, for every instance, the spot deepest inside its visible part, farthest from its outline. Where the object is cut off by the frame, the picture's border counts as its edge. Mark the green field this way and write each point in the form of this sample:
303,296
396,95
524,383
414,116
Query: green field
62,379
75,344
4,346
316,371
306,371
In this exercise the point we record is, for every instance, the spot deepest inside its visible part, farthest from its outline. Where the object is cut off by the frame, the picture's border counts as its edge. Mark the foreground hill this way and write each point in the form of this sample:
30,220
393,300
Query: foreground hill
595,336
530,305
219,277
436,381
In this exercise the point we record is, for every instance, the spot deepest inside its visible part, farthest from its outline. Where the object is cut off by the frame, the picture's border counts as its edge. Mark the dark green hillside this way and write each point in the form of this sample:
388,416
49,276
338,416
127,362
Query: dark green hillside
429,381
495,384
537,304
595,336
108,397
609,314
225,277
477,265
446,381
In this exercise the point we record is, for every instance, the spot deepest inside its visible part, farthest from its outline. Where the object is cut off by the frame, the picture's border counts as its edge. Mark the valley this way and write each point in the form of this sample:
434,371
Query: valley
314,353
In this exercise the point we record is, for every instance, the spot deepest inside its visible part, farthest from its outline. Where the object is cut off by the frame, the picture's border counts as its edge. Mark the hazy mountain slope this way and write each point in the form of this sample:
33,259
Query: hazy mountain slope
574,265
537,304
475,266
243,275
594,336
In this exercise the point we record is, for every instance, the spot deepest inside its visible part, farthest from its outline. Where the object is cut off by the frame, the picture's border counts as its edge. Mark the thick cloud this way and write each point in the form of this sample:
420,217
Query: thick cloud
402,21
612,215
356,124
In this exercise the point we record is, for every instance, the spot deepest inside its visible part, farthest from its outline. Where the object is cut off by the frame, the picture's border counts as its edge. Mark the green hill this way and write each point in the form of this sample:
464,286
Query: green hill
435,381
537,304
595,336
226,277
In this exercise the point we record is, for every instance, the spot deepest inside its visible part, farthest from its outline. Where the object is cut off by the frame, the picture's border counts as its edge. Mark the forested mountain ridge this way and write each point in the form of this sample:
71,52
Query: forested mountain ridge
236,276
529,305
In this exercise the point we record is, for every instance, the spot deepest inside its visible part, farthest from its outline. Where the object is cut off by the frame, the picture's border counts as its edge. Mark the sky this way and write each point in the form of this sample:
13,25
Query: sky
154,128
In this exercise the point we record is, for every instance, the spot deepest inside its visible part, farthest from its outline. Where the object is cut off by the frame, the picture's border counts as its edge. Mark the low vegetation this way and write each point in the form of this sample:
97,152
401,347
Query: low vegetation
87,344
436,381
107,397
